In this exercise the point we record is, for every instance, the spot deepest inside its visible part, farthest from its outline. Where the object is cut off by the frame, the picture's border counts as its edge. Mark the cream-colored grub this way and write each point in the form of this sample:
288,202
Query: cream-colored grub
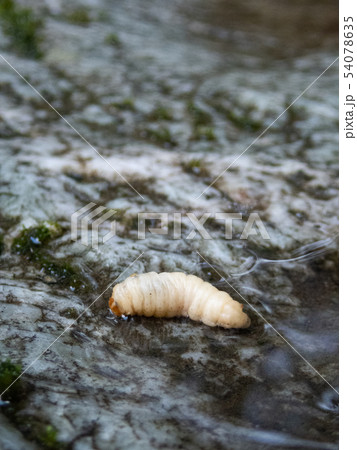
177,294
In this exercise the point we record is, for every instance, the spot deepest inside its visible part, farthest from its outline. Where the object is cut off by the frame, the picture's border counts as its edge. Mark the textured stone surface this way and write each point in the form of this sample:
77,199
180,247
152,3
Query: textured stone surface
170,95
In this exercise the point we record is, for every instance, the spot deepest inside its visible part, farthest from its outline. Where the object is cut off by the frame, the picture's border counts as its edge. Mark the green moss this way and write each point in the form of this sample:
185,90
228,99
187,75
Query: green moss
160,135
113,40
161,113
70,313
63,272
195,166
79,16
199,116
32,243
8,374
32,240
239,115
243,121
204,133
45,435
22,27
30,426
202,121
48,438
125,104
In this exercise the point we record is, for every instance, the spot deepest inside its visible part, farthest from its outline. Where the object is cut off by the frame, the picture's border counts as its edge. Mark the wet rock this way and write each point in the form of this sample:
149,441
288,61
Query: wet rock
166,97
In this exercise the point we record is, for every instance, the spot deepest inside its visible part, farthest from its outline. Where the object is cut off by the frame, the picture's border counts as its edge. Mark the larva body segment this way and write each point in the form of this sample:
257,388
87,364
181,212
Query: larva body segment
177,294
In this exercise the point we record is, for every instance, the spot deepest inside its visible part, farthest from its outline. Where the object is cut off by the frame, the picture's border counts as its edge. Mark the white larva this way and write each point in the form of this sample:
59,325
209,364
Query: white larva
177,294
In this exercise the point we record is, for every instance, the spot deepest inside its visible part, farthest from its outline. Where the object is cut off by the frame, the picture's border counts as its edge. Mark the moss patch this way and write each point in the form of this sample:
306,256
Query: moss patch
70,313
112,40
243,121
160,113
199,116
48,438
22,27
37,430
196,166
32,242
8,374
31,427
202,123
204,133
65,274
160,135
239,115
125,104
79,16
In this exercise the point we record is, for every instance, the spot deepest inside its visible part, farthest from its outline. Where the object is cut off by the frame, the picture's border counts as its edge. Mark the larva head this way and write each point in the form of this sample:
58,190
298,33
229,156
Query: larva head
232,316
113,306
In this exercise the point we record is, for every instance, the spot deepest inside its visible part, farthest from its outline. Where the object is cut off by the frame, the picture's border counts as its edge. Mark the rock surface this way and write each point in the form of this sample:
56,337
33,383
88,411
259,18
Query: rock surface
166,95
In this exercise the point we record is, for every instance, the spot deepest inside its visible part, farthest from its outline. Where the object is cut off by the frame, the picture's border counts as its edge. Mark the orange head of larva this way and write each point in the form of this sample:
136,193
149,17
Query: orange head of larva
232,316
113,306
